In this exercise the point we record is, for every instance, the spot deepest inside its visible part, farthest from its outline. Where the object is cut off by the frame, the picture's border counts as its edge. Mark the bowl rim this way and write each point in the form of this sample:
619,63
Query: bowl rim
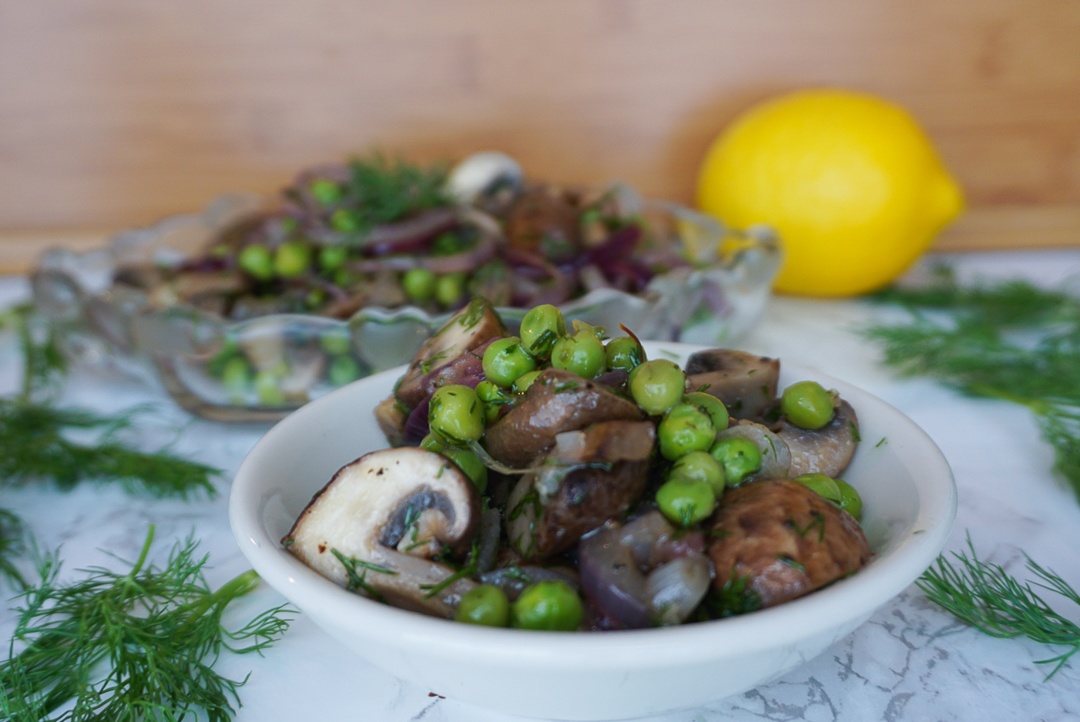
875,584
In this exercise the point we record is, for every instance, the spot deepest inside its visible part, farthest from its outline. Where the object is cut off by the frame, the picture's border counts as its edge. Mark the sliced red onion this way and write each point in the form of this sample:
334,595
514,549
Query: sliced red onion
615,560
481,252
416,424
675,589
409,236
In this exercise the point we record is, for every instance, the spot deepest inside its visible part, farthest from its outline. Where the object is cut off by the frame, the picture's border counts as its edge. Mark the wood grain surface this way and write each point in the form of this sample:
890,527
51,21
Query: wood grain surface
114,113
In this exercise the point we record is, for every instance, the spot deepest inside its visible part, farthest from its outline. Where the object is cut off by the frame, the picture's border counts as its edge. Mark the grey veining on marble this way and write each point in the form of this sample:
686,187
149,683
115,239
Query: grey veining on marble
909,661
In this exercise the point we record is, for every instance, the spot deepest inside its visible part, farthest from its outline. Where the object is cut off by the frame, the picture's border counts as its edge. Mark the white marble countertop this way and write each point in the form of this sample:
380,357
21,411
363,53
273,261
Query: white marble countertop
910,661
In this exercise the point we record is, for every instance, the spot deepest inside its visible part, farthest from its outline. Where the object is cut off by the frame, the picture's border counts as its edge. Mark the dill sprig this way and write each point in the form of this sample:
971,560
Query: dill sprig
987,597
37,446
385,190
138,645
1008,340
11,547
36,435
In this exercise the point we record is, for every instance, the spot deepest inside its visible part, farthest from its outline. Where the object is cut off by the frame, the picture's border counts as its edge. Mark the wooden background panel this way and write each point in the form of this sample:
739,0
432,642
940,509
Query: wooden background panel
117,112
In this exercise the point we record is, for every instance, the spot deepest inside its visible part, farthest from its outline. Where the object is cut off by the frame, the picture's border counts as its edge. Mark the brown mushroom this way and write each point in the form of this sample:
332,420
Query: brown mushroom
378,525
775,540
745,382
557,401
466,331
827,450
589,477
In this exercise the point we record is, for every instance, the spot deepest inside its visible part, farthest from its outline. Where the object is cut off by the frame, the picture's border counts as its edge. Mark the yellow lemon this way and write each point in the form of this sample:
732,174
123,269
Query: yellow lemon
850,181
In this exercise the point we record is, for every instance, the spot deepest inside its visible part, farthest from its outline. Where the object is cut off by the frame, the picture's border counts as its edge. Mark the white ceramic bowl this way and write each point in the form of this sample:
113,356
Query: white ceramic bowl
909,505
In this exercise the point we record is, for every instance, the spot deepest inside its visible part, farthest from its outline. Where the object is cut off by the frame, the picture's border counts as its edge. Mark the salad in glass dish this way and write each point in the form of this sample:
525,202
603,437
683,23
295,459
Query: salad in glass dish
257,305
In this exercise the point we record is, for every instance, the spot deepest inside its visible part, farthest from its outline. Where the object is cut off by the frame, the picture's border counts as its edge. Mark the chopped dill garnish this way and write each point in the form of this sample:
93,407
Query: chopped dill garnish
987,597
1008,340
139,645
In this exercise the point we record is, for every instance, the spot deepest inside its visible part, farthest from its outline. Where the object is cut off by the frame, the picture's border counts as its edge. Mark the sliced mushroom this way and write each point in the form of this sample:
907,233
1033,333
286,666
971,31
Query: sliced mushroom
377,526
775,540
391,416
827,450
557,401
465,331
589,477
745,382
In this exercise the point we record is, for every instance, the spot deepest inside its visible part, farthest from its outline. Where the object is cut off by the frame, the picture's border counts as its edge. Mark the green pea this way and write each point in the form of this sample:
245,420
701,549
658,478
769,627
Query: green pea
624,354
550,605
685,502
419,284
335,341
657,385
825,486
699,466
523,382
739,457
505,360
541,327
683,429
325,191
344,220
464,459
850,499
257,262
581,353
331,258
268,389
493,398
807,404
343,370
484,604
837,491
712,406
456,412
291,259
449,288
236,377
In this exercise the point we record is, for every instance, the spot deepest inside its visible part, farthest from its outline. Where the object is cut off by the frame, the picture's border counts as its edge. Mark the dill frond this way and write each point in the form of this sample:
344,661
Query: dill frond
11,547
1008,340
134,645
988,598
37,447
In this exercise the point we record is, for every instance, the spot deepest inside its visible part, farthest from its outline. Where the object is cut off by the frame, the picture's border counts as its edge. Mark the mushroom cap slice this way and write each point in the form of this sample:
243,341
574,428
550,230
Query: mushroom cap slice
782,540
745,382
589,477
467,330
827,450
557,401
380,521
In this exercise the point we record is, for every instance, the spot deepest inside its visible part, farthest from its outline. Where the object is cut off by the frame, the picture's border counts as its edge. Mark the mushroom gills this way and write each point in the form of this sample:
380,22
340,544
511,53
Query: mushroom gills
377,525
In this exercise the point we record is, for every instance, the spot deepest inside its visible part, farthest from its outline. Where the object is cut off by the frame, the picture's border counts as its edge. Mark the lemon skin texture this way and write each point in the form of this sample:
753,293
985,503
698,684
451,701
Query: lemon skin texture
851,183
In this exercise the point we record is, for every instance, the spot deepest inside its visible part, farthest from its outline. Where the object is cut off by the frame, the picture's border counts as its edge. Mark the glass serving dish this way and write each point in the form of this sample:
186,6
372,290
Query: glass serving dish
265,366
